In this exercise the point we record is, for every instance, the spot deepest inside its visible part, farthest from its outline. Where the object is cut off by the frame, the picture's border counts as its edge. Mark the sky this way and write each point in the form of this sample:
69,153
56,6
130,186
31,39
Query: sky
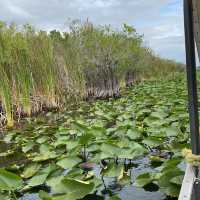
161,21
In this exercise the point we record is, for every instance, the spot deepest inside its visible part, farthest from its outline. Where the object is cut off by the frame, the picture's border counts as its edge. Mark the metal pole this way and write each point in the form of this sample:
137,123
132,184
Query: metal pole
191,76
192,88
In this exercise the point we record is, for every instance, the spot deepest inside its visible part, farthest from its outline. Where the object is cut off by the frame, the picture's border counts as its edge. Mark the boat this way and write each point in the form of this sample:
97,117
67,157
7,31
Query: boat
191,184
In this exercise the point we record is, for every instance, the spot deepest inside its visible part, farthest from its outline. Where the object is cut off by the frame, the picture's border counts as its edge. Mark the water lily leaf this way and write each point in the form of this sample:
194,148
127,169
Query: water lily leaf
62,140
44,148
75,189
177,180
44,196
170,164
4,197
29,146
171,190
113,170
9,181
46,153
80,125
55,184
172,131
31,170
133,134
39,179
62,131
69,162
154,122
143,112
134,150
159,115
121,131
42,139
85,138
125,143
158,132
75,173
46,156
126,153
167,175
97,182
103,115
110,150
146,178
152,141
41,176
98,131
138,149
165,184
72,145
93,148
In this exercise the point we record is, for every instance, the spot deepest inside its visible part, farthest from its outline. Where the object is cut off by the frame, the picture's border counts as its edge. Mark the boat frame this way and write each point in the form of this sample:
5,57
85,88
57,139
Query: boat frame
191,184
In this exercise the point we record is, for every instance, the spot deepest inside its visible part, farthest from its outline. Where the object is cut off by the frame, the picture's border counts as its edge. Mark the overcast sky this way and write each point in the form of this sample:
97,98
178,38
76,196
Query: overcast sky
161,21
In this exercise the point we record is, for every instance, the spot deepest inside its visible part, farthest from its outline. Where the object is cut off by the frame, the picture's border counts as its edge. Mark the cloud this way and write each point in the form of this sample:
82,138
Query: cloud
161,21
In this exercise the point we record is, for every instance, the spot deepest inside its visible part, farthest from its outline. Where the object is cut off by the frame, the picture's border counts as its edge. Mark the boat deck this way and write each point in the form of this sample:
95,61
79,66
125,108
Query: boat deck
186,192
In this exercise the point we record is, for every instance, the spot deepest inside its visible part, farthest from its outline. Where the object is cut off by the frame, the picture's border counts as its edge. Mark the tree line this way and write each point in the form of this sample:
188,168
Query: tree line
43,70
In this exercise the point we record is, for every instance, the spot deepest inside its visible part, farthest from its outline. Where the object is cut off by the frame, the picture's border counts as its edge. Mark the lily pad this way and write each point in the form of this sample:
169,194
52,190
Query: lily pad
69,162
31,170
9,181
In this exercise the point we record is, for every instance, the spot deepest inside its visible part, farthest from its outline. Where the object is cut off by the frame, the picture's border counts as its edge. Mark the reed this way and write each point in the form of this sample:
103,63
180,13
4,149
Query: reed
41,70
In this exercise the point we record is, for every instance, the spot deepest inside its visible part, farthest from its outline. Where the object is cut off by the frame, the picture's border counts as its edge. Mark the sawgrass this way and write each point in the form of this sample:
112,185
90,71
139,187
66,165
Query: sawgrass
41,70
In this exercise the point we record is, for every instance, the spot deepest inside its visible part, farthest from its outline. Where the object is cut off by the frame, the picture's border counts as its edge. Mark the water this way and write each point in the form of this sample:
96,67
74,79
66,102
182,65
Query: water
128,192
11,154
110,188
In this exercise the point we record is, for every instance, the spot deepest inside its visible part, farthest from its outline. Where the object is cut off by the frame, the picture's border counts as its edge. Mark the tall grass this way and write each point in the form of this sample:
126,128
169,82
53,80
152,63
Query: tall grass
41,70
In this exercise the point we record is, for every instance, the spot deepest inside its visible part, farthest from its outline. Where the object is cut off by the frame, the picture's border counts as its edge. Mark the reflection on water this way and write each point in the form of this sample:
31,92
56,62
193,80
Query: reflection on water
10,154
110,187
128,192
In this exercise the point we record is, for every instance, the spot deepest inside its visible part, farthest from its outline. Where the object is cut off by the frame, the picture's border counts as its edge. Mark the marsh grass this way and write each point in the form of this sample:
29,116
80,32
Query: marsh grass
53,70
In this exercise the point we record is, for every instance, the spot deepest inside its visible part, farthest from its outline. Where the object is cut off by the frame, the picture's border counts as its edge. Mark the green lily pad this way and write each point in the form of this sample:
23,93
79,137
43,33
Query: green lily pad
29,146
152,141
42,139
133,134
113,170
177,180
172,131
41,176
9,181
144,179
31,170
74,189
69,162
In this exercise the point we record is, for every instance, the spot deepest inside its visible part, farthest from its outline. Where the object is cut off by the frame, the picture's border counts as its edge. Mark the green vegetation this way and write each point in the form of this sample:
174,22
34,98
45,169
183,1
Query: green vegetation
73,152
41,71
76,148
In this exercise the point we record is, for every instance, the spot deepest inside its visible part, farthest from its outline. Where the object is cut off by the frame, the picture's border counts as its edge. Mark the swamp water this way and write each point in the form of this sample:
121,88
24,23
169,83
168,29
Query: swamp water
12,155
132,146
